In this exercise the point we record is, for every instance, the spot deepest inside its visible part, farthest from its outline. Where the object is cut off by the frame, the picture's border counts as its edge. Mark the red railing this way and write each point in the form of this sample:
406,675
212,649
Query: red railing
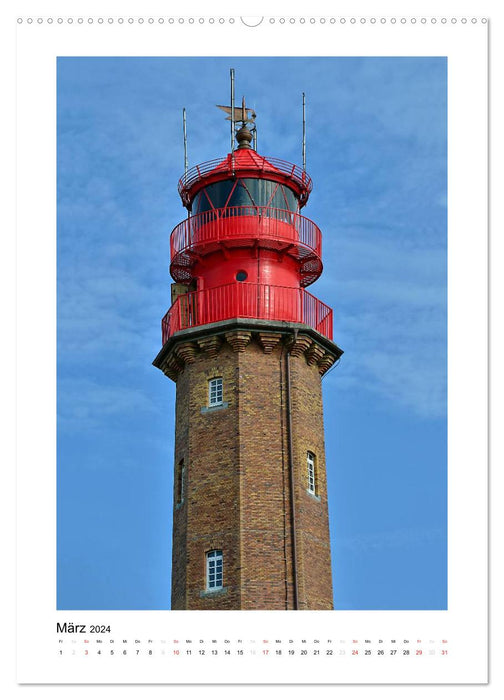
259,163
247,300
266,223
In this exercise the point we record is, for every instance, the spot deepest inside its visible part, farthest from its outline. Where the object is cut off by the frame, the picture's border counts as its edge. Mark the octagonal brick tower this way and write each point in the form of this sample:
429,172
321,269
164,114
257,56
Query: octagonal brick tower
247,346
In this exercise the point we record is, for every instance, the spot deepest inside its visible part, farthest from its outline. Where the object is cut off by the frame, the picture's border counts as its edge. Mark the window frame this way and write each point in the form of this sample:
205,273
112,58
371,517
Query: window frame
213,559
311,473
180,483
213,395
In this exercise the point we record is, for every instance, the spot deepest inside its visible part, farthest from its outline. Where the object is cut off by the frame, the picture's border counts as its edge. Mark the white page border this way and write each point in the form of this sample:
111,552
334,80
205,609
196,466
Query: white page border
465,46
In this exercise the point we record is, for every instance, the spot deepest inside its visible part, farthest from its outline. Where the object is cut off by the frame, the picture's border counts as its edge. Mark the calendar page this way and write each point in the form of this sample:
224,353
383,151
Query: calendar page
132,126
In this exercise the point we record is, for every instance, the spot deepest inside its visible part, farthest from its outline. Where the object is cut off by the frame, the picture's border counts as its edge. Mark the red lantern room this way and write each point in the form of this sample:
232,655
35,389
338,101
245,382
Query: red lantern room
245,250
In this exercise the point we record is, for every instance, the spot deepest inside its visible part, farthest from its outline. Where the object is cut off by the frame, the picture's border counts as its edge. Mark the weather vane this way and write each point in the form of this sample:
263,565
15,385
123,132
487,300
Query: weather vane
242,114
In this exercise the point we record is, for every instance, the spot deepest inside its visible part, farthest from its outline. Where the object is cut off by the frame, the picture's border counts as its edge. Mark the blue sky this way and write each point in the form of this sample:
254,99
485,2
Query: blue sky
376,150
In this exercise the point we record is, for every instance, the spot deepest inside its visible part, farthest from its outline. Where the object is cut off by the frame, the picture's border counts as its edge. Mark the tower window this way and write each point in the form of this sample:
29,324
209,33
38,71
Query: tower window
179,483
214,575
241,276
215,391
311,473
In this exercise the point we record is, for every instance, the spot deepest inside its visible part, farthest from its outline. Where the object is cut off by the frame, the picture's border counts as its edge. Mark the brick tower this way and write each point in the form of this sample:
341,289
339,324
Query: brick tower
247,346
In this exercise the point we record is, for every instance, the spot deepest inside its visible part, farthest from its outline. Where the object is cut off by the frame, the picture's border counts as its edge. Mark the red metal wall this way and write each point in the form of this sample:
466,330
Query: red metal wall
263,267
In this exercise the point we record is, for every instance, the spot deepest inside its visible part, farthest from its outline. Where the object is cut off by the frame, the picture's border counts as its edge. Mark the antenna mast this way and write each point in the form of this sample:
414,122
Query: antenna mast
231,72
242,114
184,125
304,133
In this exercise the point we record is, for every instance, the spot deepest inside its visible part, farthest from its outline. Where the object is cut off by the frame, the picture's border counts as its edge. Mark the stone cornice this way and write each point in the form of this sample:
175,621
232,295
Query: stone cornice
183,347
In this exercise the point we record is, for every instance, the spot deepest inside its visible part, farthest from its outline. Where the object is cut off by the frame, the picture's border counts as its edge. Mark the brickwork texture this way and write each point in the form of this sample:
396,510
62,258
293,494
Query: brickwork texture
237,478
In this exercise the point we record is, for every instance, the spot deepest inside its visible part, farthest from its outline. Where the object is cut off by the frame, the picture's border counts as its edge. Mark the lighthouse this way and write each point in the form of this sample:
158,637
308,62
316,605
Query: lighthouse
247,345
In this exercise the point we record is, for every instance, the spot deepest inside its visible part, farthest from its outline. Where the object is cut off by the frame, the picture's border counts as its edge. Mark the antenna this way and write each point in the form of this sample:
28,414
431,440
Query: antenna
184,125
231,72
242,114
304,133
